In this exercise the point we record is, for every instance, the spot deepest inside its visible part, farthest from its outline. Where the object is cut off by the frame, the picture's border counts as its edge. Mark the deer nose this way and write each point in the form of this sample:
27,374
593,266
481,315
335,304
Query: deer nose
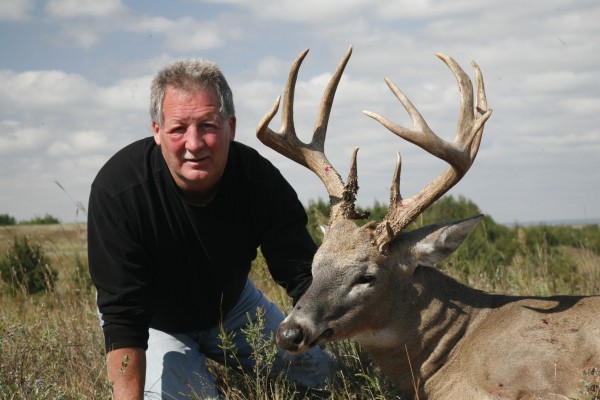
289,338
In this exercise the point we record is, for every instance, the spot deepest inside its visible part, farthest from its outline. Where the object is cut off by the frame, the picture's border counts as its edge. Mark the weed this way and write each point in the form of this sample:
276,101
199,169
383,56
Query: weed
26,268
591,384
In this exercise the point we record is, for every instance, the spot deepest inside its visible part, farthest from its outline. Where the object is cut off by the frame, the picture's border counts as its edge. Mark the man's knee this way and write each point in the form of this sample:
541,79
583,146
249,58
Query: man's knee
176,367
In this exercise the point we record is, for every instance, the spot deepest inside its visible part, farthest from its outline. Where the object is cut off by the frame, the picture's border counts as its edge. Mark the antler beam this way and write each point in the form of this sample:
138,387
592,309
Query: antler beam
460,153
312,155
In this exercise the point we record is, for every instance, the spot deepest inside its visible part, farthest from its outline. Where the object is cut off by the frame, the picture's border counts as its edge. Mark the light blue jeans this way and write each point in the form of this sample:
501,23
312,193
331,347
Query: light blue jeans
175,362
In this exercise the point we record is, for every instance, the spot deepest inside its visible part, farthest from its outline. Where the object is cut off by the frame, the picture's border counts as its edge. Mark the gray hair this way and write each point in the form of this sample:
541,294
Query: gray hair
190,75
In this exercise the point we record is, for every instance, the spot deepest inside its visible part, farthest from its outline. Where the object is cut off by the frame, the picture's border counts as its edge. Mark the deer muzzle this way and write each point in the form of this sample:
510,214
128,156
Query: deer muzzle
294,338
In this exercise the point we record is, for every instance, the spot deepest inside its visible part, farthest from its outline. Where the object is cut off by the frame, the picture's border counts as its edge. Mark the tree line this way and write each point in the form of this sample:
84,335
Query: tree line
492,246
47,219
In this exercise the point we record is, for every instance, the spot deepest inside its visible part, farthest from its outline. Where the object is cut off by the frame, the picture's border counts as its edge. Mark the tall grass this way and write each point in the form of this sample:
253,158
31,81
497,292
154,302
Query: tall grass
51,345
50,342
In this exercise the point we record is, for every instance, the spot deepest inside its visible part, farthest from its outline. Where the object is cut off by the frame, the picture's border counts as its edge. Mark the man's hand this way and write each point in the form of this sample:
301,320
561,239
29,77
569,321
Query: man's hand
127,372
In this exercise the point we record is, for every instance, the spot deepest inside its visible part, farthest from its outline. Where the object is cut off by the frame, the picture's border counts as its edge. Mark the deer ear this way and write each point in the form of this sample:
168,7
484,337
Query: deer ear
433,243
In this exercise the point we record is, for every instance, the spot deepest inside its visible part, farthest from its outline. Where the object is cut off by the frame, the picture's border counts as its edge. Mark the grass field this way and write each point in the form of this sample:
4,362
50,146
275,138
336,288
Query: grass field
51,345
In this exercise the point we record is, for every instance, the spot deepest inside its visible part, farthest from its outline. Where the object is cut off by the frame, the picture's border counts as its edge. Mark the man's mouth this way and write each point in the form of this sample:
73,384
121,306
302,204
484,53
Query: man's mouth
195,159
188,156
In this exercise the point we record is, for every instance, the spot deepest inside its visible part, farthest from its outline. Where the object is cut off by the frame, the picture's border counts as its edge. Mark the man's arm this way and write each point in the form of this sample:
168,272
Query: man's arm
286,243
120,282
126,372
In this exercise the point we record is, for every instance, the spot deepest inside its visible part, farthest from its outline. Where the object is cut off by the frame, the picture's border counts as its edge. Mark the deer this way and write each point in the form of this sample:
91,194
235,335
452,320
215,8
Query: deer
434,337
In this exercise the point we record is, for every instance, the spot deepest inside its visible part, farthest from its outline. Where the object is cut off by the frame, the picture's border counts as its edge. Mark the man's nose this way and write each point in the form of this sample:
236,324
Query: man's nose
194,139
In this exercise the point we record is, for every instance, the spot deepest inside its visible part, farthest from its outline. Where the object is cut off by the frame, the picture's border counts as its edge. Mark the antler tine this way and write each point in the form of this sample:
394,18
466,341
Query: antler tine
460,153
287,113
327,103
286,141
395,196
481,108
350,189
481,97
420,134
312,155
465,116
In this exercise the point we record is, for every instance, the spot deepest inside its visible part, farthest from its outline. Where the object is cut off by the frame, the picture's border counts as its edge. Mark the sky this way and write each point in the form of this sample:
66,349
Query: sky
75,77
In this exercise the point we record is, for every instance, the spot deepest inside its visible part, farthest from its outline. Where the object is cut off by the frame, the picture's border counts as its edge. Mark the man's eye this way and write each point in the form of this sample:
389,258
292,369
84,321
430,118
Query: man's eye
209,127
177,129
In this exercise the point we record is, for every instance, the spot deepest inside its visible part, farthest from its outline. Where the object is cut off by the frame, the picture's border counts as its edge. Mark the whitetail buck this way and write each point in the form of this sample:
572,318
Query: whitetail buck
433,336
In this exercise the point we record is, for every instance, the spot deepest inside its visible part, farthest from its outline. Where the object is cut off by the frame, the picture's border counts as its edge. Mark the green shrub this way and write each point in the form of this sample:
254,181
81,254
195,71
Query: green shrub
25,267
6,219
45,220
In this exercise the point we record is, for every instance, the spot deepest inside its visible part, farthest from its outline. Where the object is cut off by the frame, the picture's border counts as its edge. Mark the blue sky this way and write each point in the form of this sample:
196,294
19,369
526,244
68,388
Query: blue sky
74,80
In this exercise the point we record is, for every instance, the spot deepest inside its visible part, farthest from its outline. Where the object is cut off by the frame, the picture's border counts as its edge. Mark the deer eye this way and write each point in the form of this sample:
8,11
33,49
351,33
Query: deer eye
365,279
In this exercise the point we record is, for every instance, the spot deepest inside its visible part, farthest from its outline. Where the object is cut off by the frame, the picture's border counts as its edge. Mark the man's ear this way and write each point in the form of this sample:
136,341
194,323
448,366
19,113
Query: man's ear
156,130
232,124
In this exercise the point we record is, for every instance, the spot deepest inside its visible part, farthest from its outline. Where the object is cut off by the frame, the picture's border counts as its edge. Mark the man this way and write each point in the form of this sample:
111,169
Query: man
174,222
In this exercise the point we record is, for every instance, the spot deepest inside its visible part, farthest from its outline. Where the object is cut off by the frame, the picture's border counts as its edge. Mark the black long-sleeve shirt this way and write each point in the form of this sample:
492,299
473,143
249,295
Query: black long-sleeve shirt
158,261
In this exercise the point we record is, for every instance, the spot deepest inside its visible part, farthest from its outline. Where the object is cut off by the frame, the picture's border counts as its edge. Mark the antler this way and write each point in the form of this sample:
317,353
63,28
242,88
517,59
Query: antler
460,153
312,155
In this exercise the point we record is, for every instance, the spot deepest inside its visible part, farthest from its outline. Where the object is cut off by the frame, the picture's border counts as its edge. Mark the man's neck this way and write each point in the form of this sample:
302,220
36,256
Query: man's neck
201,198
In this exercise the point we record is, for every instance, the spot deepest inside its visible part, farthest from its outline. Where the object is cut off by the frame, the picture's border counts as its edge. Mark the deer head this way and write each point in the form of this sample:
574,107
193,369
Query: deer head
358,270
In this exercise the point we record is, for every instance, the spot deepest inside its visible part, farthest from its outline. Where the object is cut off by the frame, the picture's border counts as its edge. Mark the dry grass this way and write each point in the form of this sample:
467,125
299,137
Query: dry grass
51,344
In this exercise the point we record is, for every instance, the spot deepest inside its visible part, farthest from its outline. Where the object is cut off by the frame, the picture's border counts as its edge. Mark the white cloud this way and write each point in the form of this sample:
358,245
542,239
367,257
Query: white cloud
66,115
306,12
78,144
271,66
84,23
126,95
188,34
17,138
581,107
84,8
91,21
62,95
539,62
309,11
85,36
30,90
149,23
15,10
407,9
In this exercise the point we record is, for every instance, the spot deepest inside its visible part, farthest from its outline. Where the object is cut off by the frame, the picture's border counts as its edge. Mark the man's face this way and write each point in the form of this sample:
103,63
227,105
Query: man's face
194,140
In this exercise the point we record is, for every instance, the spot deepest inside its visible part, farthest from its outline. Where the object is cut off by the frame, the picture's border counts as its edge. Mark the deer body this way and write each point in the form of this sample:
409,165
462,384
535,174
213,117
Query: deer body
501,347
433,336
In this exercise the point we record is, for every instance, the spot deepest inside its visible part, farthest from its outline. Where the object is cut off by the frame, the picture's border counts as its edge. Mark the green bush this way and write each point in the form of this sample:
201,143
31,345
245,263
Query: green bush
25,267
45,220
6,219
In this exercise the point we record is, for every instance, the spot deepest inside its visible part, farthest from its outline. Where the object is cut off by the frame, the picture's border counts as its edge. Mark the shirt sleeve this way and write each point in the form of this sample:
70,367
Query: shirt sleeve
120,270
287,246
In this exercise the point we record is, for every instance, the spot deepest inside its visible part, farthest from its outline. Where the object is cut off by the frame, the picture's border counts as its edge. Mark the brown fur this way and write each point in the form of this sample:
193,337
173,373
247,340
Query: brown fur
434,336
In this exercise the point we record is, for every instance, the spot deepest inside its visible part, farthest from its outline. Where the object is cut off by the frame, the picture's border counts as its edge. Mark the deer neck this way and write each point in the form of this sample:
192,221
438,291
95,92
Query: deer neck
430,318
